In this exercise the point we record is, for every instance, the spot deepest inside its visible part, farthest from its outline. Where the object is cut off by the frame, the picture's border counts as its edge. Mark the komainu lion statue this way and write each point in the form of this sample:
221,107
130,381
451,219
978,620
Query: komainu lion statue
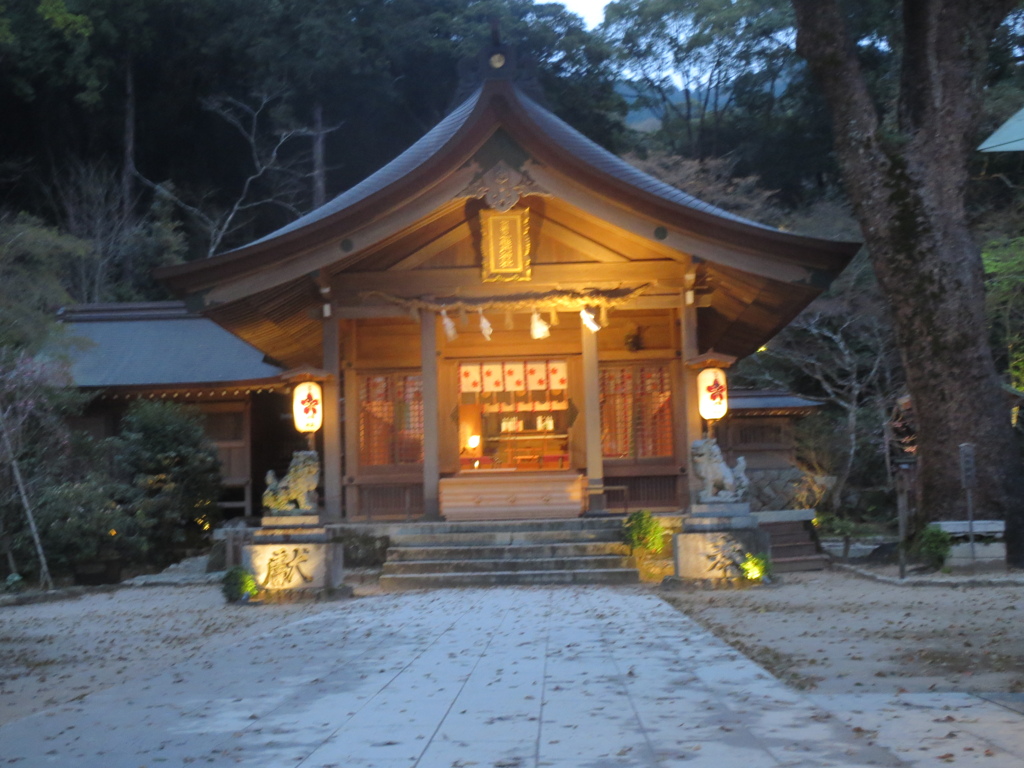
720,483
295,493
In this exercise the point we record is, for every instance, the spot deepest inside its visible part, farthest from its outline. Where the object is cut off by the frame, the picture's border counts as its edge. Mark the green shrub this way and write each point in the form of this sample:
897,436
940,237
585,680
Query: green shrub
757,568
173,475
239,585
641,530
83,522
832,525
932,546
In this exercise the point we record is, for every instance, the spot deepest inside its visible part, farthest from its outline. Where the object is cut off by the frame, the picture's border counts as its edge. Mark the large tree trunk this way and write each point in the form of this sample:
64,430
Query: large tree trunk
907,187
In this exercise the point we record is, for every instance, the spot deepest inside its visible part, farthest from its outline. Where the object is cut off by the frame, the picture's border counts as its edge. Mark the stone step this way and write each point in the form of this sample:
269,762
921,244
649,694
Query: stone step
799,537
505,538
398,583
550,564
794,549
797,564
263,536
482,553
514,552
713,524
605,522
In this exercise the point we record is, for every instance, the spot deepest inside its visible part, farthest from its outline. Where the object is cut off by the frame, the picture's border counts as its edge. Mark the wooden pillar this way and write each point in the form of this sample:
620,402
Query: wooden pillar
592,422
332,417
351,390
431,452
693,425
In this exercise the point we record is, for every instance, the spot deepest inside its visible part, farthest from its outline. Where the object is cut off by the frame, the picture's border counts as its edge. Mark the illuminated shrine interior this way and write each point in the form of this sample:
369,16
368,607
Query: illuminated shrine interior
513,415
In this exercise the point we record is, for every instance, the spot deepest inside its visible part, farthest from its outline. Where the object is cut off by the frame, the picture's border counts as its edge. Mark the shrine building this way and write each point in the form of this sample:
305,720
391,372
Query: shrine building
507,320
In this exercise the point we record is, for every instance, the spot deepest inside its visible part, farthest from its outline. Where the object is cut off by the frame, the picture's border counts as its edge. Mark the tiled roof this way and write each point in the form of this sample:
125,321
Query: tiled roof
578,145
557,130
156,344
769,401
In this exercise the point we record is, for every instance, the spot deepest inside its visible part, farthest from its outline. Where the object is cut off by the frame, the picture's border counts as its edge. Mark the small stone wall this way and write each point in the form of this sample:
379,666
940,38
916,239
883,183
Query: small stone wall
777,488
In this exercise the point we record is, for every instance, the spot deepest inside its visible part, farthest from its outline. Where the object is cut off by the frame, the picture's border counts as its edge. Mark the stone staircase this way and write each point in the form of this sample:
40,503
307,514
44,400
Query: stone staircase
474,554
794,546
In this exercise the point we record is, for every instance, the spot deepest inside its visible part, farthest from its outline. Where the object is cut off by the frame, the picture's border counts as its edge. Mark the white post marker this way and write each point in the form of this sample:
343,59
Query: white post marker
968,478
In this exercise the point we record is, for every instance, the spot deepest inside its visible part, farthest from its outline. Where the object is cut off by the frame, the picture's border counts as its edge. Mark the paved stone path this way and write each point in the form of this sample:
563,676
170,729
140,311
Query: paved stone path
498,678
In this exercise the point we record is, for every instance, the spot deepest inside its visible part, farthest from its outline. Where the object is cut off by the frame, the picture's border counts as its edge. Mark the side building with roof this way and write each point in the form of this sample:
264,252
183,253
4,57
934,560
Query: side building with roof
158,350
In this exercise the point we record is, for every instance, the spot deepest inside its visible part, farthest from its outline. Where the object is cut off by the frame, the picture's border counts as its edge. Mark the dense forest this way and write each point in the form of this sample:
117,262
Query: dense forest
157,130
137,133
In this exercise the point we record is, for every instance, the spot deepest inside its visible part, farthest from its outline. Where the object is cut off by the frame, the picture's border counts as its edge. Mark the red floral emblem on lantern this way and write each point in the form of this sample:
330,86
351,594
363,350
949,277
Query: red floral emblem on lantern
309,405
716,389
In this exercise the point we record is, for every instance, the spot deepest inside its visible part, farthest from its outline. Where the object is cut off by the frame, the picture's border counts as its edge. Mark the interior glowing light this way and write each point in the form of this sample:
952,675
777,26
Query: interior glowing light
587,316
473,441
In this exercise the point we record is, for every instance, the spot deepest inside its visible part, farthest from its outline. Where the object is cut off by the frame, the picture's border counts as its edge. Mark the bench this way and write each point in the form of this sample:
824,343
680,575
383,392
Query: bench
958,529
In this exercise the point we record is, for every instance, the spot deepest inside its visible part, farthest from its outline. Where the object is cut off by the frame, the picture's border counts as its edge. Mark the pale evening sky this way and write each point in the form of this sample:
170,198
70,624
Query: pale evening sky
592,11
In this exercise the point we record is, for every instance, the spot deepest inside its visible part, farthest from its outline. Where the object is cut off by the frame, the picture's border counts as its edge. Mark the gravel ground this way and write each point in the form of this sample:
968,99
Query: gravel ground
830,631
837,632
55,652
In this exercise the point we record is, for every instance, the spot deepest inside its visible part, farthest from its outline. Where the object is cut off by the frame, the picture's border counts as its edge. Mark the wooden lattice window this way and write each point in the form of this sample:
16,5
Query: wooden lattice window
390,419
761,434
636,411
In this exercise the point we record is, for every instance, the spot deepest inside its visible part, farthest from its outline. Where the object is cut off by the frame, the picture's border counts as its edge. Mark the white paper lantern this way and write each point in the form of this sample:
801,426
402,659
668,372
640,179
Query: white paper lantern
308,406
712,394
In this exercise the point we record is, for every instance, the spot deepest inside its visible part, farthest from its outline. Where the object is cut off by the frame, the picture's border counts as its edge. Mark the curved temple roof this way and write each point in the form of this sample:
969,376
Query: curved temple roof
776,273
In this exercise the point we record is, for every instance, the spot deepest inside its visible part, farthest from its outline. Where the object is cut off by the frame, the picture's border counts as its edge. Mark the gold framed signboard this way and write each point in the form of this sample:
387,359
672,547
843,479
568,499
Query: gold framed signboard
505,243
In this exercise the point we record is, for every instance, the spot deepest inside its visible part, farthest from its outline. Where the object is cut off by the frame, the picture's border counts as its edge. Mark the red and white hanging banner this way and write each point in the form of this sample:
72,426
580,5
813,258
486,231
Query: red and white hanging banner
558,374
537,375
493,377
469,377
515,377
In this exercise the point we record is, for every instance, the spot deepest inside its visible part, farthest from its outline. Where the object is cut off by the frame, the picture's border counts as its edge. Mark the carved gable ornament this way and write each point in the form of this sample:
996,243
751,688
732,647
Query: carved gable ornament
501,187
505,230
505,243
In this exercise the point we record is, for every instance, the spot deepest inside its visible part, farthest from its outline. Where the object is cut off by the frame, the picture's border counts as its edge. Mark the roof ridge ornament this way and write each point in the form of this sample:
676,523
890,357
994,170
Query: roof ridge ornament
497,61
502,186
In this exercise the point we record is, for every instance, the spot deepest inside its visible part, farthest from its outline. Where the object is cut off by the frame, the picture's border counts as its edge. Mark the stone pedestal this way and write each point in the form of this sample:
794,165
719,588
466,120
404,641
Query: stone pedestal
293,554
715,539
719,516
